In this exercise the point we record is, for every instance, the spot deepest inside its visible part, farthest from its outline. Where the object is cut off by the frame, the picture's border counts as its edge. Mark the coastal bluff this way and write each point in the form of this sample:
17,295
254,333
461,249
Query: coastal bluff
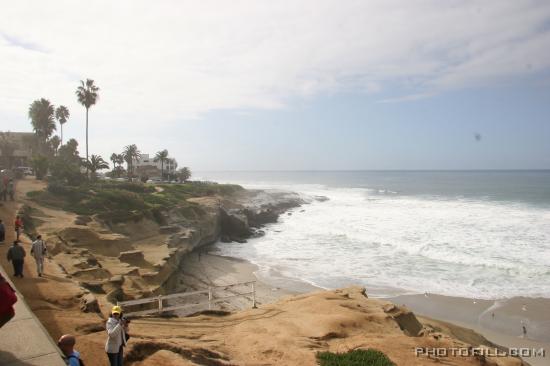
94,262
294,329
117,258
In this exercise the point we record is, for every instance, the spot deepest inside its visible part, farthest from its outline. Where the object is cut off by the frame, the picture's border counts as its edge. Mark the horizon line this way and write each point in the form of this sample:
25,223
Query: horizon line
372,170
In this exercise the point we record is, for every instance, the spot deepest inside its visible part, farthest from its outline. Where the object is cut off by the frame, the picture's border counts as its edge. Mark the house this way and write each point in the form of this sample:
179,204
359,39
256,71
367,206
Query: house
16,149
147,166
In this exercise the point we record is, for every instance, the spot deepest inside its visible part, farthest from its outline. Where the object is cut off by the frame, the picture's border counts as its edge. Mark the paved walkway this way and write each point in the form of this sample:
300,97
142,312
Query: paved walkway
24,341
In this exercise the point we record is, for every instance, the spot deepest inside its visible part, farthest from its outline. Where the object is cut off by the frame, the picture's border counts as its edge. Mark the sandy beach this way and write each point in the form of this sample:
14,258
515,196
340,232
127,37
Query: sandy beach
504,329
205,267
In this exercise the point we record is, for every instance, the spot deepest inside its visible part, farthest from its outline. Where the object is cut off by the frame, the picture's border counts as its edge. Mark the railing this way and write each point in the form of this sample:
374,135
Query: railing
211,300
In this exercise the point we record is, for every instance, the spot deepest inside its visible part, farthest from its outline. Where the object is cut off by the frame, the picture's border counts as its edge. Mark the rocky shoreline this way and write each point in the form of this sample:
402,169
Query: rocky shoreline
140,258
93,263
255,208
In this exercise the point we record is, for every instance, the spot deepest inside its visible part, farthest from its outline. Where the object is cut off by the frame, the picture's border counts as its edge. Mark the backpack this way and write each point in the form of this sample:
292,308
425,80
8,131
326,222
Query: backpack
80,362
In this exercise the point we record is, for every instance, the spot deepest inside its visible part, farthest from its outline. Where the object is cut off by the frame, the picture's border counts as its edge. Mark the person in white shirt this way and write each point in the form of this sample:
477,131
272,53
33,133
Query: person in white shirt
38,251
117,336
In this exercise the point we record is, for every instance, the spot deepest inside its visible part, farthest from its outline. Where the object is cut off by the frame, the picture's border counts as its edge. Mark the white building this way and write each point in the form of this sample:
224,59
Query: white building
147,165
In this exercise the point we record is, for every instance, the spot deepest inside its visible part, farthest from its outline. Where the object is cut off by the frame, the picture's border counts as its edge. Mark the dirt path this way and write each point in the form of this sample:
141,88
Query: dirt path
53,298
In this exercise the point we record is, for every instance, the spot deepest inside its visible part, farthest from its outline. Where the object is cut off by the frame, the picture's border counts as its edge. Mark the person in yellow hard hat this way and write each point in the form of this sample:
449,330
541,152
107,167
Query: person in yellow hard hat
117,329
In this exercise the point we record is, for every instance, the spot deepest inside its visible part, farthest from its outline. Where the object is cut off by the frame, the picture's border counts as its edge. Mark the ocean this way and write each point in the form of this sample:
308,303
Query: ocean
478,234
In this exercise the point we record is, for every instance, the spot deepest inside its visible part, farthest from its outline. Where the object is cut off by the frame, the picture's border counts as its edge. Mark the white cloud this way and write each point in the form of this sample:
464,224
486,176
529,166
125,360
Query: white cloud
162,61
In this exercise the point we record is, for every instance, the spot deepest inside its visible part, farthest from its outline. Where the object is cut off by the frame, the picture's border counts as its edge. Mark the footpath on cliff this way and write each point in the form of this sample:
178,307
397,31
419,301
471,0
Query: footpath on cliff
287,330
24,340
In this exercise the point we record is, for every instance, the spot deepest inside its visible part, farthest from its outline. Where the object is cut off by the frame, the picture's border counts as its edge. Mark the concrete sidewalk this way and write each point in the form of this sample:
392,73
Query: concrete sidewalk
24,341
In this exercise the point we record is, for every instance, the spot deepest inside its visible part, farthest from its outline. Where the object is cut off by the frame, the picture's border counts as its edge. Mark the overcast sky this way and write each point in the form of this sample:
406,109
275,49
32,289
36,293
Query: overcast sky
249,85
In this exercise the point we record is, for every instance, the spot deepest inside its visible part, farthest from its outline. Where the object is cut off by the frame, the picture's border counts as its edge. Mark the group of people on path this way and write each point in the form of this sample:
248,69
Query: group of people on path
18,225
117,326
16,255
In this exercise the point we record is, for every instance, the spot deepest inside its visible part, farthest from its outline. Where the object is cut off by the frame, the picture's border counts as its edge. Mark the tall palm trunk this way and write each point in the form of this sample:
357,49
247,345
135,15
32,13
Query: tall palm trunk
86,141
162,169
61,134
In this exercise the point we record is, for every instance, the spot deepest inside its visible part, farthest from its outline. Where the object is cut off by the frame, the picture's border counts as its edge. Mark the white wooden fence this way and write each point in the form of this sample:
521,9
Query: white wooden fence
211,299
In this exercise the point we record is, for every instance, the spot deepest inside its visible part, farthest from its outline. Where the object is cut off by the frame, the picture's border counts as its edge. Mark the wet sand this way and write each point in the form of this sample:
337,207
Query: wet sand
499,321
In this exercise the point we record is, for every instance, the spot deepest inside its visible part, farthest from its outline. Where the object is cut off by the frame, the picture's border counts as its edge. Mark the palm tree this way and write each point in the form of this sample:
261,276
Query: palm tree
87,96
96,163
161,156
114,159
55,142
172,168
131,153
41,114
62,115
118,160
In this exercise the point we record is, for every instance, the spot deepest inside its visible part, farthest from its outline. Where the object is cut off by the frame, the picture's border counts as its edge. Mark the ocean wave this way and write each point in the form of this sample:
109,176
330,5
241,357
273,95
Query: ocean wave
452,246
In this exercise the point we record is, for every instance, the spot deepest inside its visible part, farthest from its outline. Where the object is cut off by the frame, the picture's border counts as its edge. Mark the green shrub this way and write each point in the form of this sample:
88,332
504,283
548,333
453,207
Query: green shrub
358,357
127,186
40,164
115,199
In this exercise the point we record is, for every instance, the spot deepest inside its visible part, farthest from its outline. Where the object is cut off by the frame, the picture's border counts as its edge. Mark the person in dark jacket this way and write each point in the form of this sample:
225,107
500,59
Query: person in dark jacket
16,254
2,232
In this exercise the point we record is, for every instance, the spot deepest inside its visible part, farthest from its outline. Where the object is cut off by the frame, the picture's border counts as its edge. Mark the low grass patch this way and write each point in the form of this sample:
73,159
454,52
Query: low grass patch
357,357
125,201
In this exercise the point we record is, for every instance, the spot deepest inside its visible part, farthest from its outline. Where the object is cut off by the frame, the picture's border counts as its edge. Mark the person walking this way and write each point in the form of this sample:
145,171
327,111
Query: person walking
4,191
11,190
4,188
16,254
38,251
2,232
18,224
66,345
7,299
117,327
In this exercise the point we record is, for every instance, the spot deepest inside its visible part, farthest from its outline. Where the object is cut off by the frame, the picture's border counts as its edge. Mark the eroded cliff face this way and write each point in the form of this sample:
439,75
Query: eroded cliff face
140,258
292,330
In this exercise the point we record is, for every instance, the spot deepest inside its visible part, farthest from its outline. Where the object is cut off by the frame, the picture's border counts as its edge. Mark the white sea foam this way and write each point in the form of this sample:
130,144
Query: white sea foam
462,247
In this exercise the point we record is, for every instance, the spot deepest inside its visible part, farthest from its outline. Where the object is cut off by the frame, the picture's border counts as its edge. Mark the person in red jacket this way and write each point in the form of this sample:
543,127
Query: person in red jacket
7,299
18,226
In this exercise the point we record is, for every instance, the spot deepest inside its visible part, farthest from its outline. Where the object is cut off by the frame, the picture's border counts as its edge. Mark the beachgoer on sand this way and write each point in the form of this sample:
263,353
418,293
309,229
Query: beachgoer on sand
38,251
16,254
7,299
2,232
66,345
117,336
18,224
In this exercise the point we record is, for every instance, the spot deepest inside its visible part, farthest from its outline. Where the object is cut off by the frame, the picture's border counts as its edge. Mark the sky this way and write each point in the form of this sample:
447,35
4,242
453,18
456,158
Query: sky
290,85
